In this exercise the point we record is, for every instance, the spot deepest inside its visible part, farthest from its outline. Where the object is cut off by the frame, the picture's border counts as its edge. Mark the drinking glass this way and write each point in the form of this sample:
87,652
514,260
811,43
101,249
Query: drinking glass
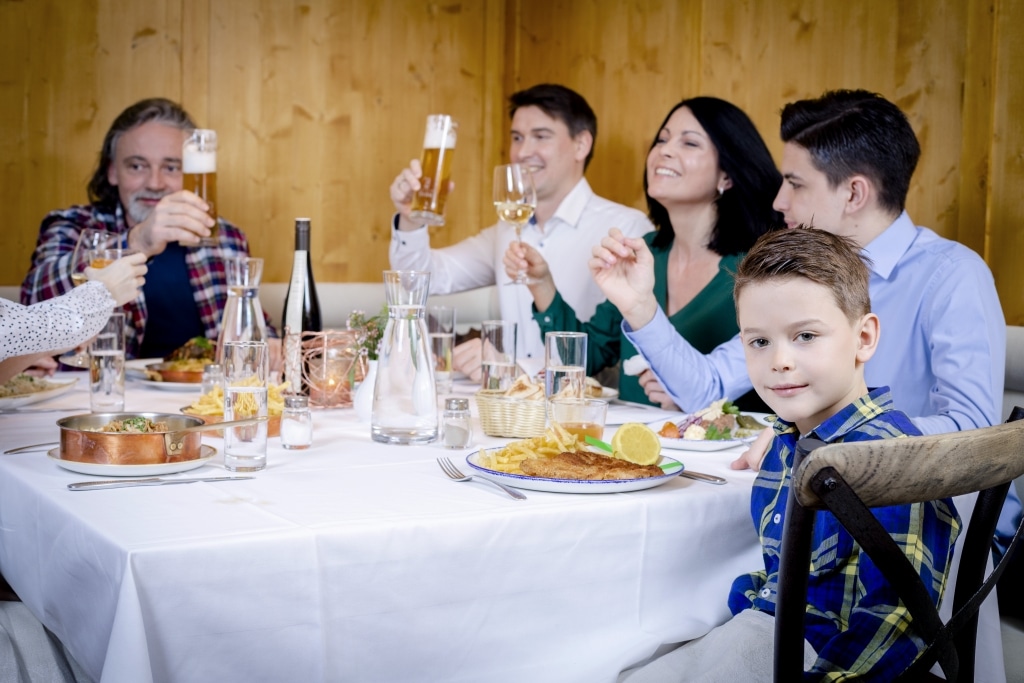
199,173
441,328
515,200
498,338
106,367
95,248
565,364
246,365
438,150
580,416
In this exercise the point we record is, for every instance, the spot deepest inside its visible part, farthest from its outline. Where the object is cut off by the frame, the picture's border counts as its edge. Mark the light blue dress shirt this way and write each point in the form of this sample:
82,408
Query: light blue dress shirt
942,347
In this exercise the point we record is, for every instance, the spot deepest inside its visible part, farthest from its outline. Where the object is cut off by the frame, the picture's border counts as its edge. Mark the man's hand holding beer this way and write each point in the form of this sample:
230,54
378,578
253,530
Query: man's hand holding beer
403,189
177,217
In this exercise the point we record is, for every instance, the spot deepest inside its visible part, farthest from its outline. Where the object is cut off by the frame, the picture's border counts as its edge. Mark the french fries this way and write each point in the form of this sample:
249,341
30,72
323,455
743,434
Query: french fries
213,402
508,459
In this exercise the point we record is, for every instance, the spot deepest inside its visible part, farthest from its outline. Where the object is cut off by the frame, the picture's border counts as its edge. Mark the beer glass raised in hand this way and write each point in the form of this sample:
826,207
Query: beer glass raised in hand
199,171
438,149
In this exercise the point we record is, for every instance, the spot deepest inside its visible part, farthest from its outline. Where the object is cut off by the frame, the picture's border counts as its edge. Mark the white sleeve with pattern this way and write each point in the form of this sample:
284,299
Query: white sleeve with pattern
59,323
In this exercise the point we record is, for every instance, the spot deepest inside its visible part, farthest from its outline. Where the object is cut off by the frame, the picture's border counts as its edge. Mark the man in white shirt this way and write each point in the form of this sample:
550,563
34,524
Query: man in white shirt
553,133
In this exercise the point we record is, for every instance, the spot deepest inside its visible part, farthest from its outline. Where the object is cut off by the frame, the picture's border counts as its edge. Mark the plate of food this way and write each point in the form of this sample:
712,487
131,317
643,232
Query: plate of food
560,462
154,470
715,428
23,390
185,364
210,407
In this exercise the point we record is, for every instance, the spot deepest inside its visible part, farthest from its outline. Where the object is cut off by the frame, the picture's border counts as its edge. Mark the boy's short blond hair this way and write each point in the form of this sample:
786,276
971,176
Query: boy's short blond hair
832,261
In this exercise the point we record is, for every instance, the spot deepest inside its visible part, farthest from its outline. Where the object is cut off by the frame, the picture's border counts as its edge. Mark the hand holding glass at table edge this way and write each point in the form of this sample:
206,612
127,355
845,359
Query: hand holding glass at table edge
100,255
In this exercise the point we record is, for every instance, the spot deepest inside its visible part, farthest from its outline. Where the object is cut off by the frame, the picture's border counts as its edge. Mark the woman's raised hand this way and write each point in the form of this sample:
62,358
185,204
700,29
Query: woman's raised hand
623,267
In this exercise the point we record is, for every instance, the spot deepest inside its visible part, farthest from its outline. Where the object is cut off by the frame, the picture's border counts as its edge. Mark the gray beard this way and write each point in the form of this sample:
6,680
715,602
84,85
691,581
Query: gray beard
138,212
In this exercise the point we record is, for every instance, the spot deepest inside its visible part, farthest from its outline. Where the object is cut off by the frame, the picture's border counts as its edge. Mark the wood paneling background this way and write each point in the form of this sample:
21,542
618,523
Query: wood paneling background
319,103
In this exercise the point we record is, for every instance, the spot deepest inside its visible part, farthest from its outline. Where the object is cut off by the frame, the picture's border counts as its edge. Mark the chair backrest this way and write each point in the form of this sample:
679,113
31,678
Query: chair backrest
849,478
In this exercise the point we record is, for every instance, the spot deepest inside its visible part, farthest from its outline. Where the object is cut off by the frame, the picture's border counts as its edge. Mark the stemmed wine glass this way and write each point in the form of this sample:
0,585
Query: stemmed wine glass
90,241
95,248
515,200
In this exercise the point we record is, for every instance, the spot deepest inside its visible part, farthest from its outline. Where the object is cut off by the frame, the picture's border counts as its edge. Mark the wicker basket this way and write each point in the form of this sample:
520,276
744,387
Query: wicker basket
504,416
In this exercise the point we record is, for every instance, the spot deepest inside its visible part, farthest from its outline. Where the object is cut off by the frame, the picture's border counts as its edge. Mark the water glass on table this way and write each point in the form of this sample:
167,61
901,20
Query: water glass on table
565,364
441,328
245,366
580,416
498,354
106,367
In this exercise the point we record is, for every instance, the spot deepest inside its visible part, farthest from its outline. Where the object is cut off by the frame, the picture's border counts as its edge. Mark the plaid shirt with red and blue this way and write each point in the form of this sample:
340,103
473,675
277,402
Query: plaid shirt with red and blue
855,622
50,273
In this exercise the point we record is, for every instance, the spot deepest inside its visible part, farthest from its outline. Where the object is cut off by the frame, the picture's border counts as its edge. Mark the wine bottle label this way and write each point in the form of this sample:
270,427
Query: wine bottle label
293,315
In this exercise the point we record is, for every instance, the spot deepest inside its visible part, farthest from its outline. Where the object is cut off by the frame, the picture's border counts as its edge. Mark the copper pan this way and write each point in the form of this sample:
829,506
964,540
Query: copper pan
79,441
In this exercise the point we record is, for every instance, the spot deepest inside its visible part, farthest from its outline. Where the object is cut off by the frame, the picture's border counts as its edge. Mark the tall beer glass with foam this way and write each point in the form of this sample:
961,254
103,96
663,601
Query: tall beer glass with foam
438,149
199,171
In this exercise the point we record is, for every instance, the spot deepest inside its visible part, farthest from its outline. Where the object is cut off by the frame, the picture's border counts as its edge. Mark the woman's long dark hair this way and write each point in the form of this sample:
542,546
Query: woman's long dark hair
745,209
101,192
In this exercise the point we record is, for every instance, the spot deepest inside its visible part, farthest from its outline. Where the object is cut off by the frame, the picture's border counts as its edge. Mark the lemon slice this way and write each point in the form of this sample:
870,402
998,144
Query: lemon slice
637,443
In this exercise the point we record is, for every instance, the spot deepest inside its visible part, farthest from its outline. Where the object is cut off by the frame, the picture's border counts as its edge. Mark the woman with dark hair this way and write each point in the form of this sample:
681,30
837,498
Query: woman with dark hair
710,181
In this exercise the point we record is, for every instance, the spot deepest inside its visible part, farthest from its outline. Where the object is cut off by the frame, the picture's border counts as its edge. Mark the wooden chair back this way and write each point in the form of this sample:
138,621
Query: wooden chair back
848,479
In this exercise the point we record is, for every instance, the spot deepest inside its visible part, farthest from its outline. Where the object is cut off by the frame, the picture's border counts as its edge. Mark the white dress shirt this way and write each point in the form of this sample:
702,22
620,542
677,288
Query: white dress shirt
579,223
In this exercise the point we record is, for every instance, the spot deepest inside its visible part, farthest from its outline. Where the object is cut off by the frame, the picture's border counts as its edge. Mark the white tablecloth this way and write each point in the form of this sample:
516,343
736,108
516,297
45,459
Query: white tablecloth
356,561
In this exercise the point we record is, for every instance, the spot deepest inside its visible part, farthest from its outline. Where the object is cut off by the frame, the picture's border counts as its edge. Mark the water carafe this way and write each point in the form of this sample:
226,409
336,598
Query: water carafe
404,399
243,314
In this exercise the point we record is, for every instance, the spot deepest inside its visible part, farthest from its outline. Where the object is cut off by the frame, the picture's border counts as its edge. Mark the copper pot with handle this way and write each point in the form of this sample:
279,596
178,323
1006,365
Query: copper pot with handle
81,441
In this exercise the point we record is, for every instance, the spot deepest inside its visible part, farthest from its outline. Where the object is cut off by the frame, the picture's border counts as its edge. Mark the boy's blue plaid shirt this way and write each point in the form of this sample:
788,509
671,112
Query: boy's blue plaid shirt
854,620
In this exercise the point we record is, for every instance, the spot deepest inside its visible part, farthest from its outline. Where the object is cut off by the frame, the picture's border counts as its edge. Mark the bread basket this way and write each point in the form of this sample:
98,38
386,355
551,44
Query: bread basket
501,415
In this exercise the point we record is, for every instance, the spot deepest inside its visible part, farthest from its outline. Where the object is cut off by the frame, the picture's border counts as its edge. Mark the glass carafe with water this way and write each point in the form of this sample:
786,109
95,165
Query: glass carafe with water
404,399
243,314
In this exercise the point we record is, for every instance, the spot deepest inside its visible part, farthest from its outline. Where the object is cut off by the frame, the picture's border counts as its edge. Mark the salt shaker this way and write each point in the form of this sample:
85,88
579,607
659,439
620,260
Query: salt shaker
213,377
296,423
456,426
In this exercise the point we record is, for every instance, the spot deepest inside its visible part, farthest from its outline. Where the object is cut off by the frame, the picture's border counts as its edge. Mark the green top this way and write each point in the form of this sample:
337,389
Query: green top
707,321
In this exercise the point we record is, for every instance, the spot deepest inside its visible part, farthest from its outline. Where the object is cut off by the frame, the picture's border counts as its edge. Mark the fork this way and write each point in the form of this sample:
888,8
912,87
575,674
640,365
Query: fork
455,475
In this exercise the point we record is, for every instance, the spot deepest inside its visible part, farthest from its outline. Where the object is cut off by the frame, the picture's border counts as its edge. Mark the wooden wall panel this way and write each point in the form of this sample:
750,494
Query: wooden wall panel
632,61
319,103
1006,208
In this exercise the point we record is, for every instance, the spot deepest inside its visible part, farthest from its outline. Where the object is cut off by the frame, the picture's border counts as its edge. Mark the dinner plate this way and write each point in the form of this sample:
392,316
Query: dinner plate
672,469
704,445
59,387
136,368
171,386
105,470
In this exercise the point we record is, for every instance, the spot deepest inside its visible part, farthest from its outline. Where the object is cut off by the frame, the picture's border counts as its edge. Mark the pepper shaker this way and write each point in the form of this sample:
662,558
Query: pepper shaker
457,427
296,423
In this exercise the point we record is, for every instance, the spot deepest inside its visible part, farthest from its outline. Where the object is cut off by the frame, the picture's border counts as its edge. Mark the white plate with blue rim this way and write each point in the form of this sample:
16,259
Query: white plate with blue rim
670,466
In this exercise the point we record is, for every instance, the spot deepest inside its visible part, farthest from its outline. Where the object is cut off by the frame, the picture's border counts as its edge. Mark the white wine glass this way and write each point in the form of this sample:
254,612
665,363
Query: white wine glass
515,200
95,248
90,240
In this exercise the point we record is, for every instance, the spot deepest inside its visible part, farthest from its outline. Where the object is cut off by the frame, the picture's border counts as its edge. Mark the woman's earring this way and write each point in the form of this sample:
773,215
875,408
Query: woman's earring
721,190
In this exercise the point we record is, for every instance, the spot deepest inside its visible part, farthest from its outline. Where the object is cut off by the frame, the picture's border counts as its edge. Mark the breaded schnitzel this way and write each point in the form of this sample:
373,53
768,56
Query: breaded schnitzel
583,465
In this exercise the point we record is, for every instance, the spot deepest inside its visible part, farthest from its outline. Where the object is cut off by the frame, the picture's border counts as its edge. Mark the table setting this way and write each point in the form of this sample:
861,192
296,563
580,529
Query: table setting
320,565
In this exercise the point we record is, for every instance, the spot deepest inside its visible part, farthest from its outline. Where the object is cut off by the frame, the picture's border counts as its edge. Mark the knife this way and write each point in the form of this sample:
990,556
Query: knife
151,481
